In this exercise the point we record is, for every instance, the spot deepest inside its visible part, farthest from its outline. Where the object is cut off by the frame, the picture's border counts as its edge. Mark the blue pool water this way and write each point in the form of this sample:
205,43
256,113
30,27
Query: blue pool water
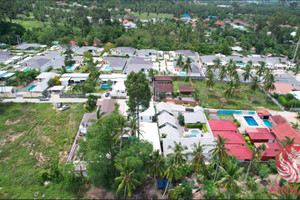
251,121
107,68
105,86
229,112
70,67
31,87
84,137
182,74
26,69
267,123
195,132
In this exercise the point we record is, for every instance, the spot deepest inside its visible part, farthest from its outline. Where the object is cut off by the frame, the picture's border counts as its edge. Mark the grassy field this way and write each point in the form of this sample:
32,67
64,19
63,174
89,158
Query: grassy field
175,84
144,16
244,99
32,135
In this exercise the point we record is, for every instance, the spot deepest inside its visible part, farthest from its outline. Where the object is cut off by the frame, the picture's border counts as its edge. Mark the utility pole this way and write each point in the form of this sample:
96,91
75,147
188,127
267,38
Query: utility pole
296,50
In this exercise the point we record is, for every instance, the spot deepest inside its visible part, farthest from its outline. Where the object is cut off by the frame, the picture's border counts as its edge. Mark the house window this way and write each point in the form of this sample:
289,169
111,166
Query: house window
141,117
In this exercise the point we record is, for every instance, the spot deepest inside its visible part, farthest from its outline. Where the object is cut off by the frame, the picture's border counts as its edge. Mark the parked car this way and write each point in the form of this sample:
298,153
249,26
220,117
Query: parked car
65,107
186,104
44,99
59,105
107,94
189,109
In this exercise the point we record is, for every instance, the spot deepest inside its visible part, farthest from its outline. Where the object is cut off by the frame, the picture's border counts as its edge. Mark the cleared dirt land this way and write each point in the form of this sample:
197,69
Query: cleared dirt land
31,136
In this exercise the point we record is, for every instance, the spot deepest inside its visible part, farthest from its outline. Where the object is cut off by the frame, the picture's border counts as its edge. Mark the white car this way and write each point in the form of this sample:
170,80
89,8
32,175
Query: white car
65,107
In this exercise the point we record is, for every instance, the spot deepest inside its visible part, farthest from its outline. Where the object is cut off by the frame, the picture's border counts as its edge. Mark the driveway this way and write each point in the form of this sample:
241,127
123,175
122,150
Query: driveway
52,100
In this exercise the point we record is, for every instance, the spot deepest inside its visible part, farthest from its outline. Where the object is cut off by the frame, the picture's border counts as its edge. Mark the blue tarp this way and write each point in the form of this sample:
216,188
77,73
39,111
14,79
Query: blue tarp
162,183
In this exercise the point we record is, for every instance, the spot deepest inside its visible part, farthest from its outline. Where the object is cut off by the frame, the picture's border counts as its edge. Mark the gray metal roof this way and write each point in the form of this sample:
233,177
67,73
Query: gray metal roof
116,63
163,106
146,52
83,49
187,53
208,58
4,56
166,118
287,78
170,131
137,64
26,46
126,50
194,117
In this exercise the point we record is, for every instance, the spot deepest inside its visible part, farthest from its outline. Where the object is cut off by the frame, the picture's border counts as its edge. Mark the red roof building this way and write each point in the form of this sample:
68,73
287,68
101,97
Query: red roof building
277,119
284,130
185,88
163,79
263,114
272,149
239,151
220,23
73,42
234,138
260,135
222,125
64,4
167,88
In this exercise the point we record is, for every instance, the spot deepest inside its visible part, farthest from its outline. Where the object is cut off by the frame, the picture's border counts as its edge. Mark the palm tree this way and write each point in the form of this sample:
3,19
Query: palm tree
255,155
223,72
122,122
218,63
180,62
261,69
127,178
157,166
133,126
197,163
231,176
297,68
210,80
237,81
230,91
269,83
195,94
255,83
151,74
178,154
171,173
220,151
247,73
187,66
287,141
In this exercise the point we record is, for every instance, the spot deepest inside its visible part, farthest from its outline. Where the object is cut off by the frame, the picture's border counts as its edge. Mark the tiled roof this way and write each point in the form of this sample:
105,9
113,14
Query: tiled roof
164,88
239,151
285,130
222,125
185,88
234,138
260,134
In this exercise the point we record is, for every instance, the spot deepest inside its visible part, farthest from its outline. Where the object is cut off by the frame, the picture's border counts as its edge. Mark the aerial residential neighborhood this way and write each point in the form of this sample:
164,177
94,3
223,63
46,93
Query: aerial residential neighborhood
149,100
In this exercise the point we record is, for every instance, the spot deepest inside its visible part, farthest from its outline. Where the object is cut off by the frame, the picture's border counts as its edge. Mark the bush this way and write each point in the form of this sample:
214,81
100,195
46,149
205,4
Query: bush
238,124
162,95
272,166
181,120
194,125
282,101
247,138
175,94
234,120
163,135
91,102
43,176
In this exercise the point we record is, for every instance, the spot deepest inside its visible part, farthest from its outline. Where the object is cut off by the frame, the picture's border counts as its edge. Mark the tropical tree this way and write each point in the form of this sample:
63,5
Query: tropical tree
220,151
237,81
187,66
127,178
218,63
255,83
120,131
222,72
133,126
231,176
231,89
297,67
287,141
180,62
247,73
195,94
269,83
151,74
261,69
210,80
197,163
178,154
172,172
156,166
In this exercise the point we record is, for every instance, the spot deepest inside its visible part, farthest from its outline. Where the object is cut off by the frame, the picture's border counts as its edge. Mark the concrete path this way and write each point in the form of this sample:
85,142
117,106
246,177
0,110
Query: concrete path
52,100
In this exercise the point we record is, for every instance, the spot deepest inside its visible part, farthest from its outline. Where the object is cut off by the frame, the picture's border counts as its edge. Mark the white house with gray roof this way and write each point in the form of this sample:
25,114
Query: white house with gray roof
164,119
170,131
196,117
113,63
28,46
123,51
93,50
186,53
137,64
162,107
147,53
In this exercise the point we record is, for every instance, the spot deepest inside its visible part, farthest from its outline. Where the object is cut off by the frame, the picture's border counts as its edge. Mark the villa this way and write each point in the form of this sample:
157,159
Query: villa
68,78
166,119
93,50
258,135
123,51
137,64
167,88
113,63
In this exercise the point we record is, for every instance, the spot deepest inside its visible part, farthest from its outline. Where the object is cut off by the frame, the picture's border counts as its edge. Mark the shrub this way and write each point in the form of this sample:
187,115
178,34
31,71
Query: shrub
162,95
234,120
238,124
163,135
43,176
282,101
181,120
272,166
194,125
247,138
263,174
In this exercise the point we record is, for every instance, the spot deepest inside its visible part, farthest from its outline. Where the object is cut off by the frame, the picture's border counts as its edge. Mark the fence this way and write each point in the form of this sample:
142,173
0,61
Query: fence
72,95
274,100
193,103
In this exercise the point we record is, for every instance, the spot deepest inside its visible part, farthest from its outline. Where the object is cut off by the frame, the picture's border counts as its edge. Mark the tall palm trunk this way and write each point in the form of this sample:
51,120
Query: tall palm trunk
125,191
248,170
216,170
166,188
155,187
228,195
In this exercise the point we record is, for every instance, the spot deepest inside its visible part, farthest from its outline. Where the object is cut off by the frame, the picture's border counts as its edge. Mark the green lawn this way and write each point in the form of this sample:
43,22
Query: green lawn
244,99
175,84
33,135
153,15
31,23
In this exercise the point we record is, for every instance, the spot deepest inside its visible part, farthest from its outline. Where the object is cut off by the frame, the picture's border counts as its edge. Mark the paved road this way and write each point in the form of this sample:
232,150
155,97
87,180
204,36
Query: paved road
52,100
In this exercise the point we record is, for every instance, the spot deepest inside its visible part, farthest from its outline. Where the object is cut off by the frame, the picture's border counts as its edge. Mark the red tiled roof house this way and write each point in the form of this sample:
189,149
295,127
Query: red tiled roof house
260,135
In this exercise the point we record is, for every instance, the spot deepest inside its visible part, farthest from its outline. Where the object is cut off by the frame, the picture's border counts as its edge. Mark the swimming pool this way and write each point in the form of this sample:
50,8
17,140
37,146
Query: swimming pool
229,112
267,123
70,67
31,87
26,69
107,68
105,86
195,132
182,74
251,121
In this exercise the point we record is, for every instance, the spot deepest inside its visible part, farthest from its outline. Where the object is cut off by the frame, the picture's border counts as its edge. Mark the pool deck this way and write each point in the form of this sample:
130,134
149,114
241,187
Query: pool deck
201,132
245,125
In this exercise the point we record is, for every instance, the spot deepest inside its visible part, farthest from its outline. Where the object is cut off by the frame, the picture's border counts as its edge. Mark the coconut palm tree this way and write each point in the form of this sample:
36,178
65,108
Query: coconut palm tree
255,83
222,73
120,131
195,94
180,62
220,151
231,89
247,73
187,66
172,172
156,166
127,179
133,127
287,141
210,80
197,163
231,176
237,81
261,69
218,64
297,68
269,83
178,154
209,69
